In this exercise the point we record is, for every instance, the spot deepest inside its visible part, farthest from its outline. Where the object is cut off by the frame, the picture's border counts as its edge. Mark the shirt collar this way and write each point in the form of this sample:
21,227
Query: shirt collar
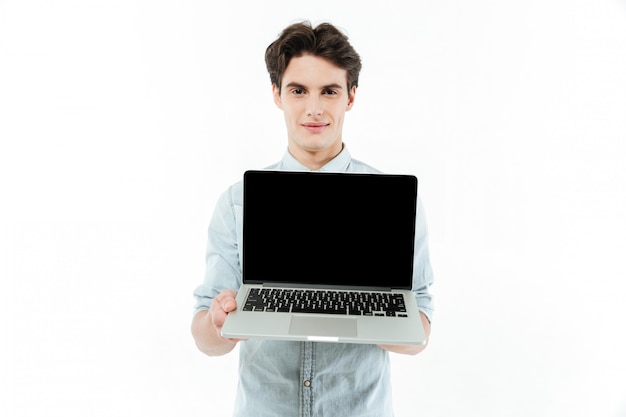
338,164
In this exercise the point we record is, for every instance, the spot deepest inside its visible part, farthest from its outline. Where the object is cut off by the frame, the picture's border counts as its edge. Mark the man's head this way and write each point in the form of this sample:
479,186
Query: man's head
314,73
324,41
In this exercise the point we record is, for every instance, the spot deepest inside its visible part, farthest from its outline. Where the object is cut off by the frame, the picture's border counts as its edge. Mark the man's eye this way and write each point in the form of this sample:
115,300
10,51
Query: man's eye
330,92
298,91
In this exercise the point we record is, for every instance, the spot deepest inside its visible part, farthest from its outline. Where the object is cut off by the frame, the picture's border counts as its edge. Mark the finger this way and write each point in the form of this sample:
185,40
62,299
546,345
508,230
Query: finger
229,304
223,304
226,300
217,314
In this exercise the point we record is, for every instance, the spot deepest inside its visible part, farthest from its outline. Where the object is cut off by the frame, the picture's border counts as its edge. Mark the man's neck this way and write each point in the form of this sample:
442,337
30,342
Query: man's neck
315,160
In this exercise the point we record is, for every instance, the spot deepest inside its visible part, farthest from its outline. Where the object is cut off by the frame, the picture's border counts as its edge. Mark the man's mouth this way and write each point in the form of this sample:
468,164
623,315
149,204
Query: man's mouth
315,127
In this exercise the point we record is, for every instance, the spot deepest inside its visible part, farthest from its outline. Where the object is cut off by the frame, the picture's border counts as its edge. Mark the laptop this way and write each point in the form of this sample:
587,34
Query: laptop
327,257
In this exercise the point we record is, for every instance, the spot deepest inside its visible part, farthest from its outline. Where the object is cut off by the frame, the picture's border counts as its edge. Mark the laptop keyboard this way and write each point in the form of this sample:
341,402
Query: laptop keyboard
353,303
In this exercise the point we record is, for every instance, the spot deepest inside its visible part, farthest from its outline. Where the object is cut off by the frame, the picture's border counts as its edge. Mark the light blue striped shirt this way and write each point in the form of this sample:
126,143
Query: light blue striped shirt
278,378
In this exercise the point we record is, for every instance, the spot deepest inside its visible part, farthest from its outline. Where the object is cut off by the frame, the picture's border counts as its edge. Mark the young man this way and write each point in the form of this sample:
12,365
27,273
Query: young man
314,74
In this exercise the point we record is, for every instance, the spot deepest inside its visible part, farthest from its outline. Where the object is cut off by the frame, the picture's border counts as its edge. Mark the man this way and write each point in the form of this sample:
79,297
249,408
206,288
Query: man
314,74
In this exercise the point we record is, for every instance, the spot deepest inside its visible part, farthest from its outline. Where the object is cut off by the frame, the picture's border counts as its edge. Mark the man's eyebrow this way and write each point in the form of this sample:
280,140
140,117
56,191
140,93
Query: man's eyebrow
326,87
296,85
332,86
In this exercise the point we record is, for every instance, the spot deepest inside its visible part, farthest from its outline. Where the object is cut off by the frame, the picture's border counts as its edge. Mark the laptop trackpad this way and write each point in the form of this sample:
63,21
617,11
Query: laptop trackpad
323,326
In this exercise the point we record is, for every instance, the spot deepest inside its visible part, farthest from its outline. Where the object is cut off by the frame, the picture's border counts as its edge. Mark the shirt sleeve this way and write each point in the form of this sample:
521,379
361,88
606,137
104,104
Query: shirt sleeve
223,266
422,270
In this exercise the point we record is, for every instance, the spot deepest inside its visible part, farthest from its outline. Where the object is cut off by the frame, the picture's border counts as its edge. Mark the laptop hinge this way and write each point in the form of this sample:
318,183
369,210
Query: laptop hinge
325,287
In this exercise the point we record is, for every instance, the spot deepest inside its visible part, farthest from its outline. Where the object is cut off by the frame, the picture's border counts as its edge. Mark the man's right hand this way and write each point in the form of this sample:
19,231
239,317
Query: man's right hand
223,304
206,327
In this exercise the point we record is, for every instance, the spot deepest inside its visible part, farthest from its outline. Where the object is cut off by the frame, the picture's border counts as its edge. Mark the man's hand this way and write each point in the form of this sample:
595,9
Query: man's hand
223,304
411,350
206,327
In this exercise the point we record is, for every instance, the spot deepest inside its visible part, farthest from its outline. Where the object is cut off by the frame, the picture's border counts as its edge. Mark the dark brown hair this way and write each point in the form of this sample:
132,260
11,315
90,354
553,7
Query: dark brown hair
324,41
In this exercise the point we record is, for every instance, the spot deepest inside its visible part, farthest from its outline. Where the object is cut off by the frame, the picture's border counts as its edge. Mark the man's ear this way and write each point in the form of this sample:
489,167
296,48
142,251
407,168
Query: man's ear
276,95
351,98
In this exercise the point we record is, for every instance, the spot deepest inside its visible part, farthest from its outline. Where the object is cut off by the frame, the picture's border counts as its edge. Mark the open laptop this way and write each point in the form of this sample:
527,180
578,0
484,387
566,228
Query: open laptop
327,257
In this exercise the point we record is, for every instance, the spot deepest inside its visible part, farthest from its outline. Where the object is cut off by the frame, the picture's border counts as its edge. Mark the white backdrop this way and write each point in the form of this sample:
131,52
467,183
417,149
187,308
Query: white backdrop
121,121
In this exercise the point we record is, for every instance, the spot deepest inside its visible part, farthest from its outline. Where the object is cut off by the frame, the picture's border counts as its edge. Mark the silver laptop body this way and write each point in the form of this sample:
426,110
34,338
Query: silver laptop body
339,246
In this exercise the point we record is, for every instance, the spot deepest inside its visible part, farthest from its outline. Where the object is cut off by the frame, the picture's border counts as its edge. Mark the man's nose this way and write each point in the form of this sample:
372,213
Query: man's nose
314,107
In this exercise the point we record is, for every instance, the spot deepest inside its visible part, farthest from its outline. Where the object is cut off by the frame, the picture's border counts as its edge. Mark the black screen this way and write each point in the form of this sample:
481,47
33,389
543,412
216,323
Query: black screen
317,228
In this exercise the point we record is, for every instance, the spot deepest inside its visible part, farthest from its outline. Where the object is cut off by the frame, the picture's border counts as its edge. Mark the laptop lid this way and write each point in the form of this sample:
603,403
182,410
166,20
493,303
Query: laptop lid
320,229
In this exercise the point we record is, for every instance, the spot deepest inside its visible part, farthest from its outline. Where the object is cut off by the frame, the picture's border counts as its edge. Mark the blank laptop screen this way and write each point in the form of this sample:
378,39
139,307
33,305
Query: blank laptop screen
325,229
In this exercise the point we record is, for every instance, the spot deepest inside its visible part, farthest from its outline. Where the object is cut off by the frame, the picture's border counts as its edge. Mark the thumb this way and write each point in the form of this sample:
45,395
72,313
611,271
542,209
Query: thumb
229,305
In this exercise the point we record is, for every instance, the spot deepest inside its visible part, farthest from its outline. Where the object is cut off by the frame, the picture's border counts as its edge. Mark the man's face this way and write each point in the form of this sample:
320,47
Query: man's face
314,98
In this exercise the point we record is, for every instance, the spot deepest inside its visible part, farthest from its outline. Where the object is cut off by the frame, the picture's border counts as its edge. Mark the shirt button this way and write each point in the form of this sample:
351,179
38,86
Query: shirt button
307,383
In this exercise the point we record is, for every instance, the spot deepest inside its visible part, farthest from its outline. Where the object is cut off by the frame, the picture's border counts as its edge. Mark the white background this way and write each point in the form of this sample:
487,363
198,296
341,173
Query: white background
121,122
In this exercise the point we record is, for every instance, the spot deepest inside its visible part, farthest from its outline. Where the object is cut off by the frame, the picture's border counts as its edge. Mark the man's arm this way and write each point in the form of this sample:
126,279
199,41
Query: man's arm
207,325
409,349
422,280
